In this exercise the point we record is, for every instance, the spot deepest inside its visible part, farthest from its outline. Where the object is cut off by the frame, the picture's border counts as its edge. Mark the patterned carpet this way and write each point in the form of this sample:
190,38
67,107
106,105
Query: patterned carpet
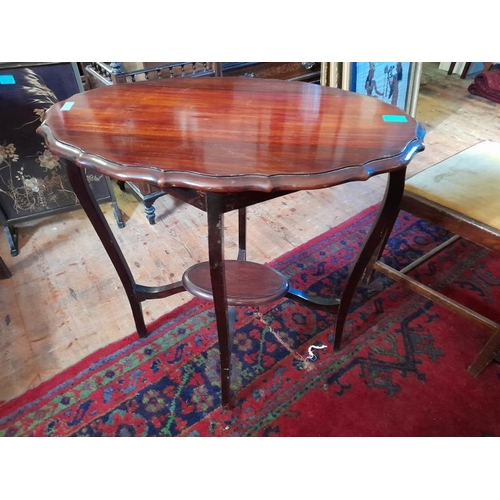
401,370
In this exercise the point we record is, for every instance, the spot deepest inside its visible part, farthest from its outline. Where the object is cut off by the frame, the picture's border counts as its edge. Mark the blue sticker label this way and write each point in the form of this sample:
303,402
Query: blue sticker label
7,80
67,106
395,118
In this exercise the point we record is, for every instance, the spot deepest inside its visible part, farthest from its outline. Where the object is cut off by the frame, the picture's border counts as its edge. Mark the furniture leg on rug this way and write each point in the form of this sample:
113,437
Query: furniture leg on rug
460,194
375,241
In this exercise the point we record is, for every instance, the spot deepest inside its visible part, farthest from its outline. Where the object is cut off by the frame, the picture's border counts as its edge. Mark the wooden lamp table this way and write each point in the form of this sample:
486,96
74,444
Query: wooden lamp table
222,144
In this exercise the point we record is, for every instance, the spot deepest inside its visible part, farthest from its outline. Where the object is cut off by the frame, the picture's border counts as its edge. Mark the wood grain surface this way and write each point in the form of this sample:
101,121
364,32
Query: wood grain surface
231,134
64,300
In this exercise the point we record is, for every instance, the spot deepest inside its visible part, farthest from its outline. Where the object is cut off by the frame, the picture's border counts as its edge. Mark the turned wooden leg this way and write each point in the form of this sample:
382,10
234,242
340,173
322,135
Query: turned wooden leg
80,186
372,247
150,211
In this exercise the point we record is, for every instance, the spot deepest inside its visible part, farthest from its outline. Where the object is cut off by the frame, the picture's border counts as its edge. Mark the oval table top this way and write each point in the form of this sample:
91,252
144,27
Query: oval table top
231,134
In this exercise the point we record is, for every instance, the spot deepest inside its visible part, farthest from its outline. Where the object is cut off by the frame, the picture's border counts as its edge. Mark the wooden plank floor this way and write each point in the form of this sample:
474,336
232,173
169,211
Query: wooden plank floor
64,300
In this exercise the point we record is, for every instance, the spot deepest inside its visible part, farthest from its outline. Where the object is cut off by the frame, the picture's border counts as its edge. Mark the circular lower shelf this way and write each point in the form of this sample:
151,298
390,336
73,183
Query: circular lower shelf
247,283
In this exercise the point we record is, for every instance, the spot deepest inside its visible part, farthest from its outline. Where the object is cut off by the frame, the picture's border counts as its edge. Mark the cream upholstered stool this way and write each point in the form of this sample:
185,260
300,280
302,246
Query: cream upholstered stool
462,195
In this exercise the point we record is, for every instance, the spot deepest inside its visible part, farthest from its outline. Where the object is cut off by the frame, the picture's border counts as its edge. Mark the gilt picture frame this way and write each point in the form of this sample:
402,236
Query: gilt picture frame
396,83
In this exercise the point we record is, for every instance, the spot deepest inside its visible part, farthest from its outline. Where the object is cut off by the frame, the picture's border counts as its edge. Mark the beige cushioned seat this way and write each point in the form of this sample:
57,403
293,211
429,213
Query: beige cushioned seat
468,183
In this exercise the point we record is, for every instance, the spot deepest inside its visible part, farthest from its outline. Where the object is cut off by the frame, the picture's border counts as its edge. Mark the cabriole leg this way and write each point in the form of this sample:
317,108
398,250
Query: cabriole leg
372,247
82,190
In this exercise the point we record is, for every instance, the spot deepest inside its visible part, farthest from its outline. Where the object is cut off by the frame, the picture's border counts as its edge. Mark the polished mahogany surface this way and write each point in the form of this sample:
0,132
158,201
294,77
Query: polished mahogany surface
247,283
231,134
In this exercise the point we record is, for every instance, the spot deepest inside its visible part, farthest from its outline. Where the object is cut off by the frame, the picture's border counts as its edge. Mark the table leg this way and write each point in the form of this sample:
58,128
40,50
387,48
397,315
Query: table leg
384,237
78,181
114,204
12,237
215,218
242,233
372,247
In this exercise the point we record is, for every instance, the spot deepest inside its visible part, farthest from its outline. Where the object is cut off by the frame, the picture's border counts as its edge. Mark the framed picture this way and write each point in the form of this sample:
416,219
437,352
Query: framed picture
33,181
330,74
396,83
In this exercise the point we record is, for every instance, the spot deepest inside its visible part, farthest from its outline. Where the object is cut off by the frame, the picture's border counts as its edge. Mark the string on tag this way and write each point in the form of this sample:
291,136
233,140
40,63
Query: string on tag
305,362
313,356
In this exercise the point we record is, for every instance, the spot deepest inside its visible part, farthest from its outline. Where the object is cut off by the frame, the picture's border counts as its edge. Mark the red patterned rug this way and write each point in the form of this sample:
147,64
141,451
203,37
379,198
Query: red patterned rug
402,370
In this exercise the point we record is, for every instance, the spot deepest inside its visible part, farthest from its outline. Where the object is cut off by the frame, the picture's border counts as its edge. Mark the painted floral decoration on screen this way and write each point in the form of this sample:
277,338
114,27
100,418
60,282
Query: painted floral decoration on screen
44,187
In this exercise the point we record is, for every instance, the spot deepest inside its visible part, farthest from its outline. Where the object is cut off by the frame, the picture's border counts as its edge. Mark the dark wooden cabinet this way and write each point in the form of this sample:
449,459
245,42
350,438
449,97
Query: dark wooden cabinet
98,74
302,71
